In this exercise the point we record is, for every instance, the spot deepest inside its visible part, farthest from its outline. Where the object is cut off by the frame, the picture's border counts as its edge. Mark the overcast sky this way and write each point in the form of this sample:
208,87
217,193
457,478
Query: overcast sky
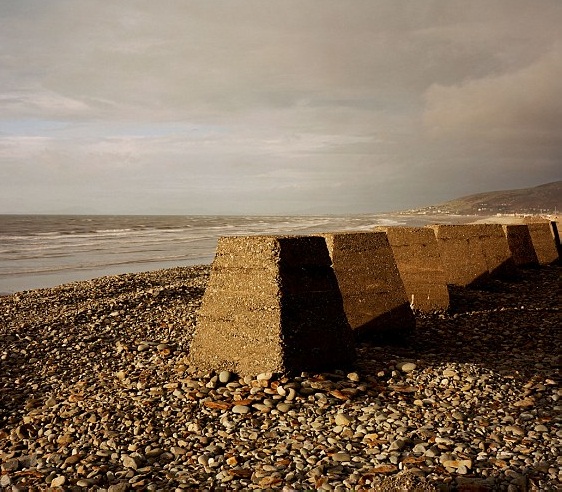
285,107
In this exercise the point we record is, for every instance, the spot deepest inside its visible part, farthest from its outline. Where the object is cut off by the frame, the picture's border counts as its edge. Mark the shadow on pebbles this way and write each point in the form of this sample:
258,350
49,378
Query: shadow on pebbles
95,393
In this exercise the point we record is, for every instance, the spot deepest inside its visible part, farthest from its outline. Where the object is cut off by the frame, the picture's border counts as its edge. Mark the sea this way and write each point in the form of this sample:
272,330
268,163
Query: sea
38,251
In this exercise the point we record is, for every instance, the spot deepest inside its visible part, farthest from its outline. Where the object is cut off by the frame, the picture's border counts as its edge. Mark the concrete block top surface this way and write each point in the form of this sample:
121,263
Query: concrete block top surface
403,235
354,241
262,251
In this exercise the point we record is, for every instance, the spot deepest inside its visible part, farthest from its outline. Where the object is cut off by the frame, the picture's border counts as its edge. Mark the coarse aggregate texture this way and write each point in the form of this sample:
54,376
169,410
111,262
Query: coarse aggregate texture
462,256
543,239
417,257
521,245
272,304
495,249
96,394
374,297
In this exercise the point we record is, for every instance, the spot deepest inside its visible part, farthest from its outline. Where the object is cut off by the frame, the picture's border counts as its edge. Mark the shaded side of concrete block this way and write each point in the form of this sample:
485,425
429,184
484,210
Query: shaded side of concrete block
373,293
543,240
272,304
417,257
495,249
520,245
461,254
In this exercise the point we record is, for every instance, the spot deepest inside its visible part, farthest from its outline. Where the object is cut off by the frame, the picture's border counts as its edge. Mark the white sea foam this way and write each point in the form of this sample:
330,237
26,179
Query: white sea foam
38,251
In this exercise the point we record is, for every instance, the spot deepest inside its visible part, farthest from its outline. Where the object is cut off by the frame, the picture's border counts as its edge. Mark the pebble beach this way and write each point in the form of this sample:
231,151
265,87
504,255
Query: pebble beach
96,394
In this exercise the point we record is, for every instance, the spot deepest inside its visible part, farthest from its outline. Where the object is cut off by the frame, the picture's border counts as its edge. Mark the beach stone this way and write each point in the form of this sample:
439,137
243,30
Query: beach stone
58,481
447,462
119,487
154,452
458,415
224,377
406,366
417,257
272,304
84,483
130,461
515,429
72,459
397,445
261,407
353,376
203,460
291,394
283,407
10,465
419,448
374,297
342,419
240,409
341,457
264,376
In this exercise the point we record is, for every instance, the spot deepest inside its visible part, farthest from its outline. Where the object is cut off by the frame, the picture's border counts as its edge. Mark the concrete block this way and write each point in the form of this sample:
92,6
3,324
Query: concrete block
272,304
417,258
461,254
495,249
373,293
555,226
520,245
543,239
472,253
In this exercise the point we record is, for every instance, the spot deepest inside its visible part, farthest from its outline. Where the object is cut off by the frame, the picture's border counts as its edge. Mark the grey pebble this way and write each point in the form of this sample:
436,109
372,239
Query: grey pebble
341,457
240,409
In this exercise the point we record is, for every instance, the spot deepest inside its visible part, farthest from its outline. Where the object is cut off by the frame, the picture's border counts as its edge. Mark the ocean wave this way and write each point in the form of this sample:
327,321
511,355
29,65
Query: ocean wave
63,247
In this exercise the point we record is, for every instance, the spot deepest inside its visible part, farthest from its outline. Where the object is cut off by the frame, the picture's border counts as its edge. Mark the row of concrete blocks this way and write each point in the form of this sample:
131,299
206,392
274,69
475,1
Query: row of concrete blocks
287,304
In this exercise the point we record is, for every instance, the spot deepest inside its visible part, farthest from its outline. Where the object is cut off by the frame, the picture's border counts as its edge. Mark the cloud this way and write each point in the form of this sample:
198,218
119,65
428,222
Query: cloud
524,104
22,147
40,102
275,105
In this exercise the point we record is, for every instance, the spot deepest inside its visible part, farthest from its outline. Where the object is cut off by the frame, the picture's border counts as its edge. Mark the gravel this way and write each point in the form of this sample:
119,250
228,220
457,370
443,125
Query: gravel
96,394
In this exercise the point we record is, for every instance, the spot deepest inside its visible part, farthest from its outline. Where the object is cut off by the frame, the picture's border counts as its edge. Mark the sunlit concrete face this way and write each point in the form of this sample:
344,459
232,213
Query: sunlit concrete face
544,242
272,304
419,263
374,297
521,245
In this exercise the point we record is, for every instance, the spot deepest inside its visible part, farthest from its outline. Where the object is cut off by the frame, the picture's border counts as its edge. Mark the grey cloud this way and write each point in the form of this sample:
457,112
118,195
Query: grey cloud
255,101
521,105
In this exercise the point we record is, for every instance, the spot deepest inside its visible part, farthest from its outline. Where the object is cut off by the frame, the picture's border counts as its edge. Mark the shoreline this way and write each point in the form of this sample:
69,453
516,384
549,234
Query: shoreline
63,273
95,392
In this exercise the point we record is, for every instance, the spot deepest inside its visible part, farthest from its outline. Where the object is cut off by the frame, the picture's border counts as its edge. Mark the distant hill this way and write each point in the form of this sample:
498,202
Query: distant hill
546,198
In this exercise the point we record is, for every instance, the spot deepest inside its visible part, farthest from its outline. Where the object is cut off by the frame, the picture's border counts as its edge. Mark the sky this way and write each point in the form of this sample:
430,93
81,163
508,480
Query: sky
275,107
